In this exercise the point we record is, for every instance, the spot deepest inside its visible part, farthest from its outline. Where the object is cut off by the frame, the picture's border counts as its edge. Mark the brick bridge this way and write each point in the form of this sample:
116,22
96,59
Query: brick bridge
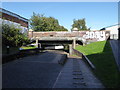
83,37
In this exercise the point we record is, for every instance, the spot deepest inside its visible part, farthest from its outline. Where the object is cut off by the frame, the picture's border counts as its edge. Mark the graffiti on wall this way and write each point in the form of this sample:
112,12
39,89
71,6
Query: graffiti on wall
100,35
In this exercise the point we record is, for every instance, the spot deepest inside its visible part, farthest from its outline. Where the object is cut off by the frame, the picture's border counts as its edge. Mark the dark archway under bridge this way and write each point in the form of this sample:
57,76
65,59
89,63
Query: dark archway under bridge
58,42
51,44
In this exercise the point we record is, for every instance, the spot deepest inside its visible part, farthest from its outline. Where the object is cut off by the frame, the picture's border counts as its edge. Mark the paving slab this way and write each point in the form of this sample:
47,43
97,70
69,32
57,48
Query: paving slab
80,77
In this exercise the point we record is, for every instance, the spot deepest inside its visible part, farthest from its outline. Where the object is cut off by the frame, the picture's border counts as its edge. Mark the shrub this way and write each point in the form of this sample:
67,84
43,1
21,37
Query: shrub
11,36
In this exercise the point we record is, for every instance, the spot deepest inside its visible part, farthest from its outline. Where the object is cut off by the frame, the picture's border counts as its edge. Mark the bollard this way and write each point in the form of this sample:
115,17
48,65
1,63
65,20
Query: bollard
8,49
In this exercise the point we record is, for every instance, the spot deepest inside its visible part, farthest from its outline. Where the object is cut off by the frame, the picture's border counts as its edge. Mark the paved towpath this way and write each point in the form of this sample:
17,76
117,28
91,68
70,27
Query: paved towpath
76,74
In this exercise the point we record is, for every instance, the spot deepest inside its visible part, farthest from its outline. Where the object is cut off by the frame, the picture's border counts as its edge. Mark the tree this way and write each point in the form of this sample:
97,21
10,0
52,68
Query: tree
11,36
80,24
41,23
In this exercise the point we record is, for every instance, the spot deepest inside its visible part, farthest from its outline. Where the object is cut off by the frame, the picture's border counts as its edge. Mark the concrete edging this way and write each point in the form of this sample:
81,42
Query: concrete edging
76,52
63,59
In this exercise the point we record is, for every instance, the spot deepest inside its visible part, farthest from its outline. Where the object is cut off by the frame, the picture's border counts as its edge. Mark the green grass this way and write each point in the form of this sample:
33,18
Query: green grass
28,47
93,48
100,54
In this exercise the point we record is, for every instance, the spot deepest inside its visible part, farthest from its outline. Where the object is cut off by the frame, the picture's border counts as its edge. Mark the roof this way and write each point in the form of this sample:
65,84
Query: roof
13,14
110,26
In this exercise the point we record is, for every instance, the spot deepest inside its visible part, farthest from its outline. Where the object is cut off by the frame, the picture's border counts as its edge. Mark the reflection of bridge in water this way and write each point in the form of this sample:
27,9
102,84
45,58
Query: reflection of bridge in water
69,38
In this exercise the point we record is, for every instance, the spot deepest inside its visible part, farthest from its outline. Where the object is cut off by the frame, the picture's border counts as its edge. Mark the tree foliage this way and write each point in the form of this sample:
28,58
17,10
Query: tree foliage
80,24
11,36
41,23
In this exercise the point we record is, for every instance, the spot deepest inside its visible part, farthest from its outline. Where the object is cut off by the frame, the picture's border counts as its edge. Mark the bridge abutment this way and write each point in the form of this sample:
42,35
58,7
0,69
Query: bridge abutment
74,43
37,43
70,49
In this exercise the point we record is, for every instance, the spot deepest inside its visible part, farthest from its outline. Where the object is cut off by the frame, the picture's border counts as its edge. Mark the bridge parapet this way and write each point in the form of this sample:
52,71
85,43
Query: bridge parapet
57,38
56,34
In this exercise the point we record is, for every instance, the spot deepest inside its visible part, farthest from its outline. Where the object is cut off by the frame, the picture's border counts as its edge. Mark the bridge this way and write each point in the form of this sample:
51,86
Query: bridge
71,38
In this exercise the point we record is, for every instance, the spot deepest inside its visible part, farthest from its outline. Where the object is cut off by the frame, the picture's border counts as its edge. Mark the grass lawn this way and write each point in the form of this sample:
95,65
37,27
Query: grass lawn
28,47
100,54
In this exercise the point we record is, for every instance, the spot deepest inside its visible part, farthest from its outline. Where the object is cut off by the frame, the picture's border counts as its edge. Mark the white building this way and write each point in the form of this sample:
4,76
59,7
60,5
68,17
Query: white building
114,33
15,19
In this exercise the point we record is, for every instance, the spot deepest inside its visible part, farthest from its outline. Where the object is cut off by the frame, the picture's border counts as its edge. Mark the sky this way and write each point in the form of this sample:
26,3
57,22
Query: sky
96,14
60,0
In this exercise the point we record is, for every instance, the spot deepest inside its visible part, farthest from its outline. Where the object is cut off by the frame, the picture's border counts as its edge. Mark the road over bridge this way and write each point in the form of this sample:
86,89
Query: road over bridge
80,37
